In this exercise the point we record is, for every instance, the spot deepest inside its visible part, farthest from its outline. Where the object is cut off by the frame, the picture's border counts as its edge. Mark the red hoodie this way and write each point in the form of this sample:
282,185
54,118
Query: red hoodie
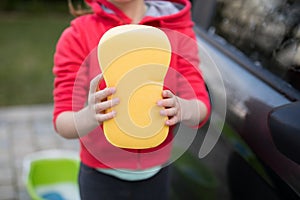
75,64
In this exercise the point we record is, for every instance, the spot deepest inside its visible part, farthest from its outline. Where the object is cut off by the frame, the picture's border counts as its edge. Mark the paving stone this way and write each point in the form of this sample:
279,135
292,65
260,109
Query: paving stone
6,177
7,192
24,130
4,161
3,131
23,195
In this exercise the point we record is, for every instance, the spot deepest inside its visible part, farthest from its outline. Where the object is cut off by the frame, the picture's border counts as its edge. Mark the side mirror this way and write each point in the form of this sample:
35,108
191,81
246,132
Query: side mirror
284,124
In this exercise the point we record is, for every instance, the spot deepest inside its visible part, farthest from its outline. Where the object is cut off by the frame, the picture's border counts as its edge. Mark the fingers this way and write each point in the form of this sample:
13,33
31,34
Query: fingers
172,121
167,94
169,112
97,96
101,117
167,103
172,107
169,100
104,105
103,94
101,107
98,102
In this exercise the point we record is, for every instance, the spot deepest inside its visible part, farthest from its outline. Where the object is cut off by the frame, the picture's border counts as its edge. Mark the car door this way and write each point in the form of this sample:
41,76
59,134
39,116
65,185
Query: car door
257,154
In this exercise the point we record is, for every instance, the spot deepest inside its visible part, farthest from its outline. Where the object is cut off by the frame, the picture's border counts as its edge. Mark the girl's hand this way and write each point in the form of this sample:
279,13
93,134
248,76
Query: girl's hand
190,112
70,124
98,103
171,103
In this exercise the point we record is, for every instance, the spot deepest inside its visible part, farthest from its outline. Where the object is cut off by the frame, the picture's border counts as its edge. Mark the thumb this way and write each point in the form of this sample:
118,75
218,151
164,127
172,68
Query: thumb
95,82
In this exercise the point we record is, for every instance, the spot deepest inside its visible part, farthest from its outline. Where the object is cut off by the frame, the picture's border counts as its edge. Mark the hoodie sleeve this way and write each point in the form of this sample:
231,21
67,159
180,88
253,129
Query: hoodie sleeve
185,70
68,59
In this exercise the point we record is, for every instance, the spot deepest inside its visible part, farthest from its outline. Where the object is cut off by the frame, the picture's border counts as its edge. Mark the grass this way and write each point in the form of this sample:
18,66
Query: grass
26,54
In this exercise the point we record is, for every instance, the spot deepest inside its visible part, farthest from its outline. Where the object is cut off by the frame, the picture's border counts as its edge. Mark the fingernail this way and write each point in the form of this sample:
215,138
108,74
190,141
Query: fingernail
159,103
116,100
162,112
112,90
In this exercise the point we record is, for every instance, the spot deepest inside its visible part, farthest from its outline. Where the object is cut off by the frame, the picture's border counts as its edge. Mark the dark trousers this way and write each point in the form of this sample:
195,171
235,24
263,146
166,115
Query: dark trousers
95,185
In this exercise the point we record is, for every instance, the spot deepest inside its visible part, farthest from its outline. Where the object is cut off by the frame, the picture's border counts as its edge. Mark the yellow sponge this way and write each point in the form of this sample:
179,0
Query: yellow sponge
135,59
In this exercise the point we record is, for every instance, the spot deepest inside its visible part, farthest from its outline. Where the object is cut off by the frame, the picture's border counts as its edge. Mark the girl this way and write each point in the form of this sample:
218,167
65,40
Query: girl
108,172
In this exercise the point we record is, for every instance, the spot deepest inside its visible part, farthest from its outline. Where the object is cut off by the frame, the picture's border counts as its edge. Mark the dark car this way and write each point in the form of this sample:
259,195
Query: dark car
250,55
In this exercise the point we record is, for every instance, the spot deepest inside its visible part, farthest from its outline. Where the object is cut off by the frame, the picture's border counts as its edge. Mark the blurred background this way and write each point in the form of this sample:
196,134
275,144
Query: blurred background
29,31
267,31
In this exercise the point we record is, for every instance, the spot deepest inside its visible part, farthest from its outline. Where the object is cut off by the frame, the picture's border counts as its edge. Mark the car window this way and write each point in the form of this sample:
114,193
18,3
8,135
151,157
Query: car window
267,31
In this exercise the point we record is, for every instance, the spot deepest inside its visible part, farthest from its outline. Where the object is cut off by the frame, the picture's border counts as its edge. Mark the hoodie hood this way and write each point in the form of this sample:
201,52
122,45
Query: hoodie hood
175,13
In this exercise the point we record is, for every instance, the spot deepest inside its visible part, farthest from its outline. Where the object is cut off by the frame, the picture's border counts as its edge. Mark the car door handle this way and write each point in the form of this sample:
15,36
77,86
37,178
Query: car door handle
284,124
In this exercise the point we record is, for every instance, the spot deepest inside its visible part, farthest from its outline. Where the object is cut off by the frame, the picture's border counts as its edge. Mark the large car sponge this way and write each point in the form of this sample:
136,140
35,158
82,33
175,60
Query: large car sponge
135,59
